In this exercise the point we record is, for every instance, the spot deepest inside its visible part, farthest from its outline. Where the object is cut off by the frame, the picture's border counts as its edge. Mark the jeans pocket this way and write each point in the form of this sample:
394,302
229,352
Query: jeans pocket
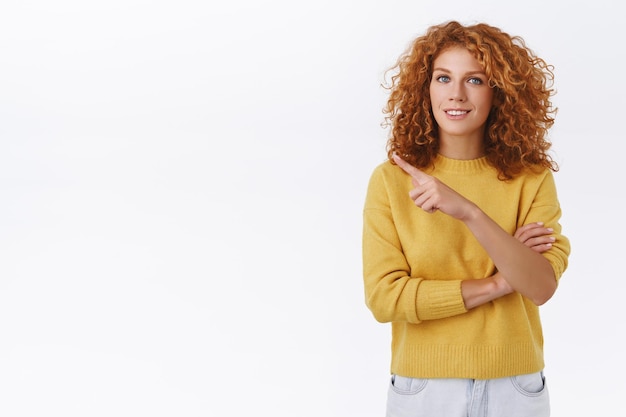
530,384
407,386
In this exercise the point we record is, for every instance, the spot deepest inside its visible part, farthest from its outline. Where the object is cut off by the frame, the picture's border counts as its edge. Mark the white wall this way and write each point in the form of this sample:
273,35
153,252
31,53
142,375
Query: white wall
182,185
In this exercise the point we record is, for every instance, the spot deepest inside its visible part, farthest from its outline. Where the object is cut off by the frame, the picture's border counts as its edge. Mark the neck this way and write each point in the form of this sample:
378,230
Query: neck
461,147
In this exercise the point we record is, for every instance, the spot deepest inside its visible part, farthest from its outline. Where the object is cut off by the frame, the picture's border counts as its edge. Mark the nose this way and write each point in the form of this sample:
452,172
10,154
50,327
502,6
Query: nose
458,92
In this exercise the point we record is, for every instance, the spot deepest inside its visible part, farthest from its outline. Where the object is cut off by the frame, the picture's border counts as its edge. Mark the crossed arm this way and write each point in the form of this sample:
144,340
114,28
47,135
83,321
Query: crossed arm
520,265
479,291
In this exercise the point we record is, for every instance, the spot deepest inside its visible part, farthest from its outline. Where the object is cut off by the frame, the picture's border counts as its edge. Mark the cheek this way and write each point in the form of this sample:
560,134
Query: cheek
432,92
484,104
488,101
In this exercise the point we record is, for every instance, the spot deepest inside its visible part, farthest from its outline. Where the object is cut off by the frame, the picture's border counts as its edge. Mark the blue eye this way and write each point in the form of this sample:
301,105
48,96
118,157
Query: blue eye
443,78
475,80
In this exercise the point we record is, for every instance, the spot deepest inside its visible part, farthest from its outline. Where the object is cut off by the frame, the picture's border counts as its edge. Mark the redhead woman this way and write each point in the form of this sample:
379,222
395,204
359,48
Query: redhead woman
462,241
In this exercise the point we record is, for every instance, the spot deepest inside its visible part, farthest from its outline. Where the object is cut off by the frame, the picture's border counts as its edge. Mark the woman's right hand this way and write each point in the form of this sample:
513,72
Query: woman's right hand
535,236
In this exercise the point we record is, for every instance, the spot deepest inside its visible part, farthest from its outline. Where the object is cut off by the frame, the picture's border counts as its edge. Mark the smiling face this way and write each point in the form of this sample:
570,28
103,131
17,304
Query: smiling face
461,101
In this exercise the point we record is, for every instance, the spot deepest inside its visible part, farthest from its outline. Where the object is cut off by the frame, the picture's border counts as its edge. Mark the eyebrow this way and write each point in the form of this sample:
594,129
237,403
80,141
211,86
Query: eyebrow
467,73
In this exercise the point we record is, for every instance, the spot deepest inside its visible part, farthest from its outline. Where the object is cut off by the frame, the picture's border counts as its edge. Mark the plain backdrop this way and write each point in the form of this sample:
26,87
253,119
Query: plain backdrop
181,193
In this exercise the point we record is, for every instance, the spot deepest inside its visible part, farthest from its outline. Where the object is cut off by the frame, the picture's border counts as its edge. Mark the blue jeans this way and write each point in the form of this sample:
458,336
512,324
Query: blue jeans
516,396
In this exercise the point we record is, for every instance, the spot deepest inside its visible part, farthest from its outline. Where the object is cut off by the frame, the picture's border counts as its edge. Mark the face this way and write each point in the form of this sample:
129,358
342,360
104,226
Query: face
460,95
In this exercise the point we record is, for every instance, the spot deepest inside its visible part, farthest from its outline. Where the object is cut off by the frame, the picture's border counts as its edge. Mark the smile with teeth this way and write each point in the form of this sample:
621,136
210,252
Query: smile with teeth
456,112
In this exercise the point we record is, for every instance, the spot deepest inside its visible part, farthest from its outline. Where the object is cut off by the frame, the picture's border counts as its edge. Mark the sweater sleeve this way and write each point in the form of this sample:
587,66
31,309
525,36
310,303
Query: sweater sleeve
545,207
390,292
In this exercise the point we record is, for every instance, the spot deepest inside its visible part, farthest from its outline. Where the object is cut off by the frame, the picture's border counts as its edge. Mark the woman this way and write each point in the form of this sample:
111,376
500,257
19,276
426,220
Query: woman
461,237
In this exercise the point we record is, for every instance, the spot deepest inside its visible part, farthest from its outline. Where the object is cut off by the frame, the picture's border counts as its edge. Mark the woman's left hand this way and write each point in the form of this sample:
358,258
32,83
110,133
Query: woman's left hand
431,195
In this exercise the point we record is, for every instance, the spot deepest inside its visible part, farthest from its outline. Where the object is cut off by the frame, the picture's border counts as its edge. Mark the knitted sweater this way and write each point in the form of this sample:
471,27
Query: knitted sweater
414,262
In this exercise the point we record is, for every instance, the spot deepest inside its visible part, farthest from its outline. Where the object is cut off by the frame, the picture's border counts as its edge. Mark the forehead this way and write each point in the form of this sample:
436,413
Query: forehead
457,59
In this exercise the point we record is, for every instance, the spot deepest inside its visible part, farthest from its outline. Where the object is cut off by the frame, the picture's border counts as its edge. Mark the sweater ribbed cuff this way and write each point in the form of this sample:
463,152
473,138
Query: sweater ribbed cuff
439,299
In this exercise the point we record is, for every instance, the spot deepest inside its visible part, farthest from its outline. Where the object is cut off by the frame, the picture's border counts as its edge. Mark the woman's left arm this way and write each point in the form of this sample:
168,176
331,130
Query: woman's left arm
527,271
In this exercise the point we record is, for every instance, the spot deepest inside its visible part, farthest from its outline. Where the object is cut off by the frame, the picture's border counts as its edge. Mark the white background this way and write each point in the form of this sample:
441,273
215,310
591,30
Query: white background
181,192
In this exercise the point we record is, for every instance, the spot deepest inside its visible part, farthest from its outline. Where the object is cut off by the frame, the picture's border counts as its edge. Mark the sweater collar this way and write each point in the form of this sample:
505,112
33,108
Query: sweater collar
464,166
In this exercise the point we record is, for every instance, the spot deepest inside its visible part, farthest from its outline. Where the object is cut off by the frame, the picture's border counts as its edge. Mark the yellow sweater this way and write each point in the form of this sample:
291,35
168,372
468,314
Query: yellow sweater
414,262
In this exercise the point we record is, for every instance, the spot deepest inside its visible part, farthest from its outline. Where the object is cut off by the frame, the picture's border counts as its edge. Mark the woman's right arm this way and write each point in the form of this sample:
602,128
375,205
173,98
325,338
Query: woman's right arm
391,293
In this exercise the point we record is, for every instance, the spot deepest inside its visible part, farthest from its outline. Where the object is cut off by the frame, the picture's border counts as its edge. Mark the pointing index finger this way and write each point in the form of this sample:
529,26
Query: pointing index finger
414,172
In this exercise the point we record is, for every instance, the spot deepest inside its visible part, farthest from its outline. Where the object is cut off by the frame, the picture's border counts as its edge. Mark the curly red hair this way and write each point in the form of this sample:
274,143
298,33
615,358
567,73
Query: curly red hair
522,113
